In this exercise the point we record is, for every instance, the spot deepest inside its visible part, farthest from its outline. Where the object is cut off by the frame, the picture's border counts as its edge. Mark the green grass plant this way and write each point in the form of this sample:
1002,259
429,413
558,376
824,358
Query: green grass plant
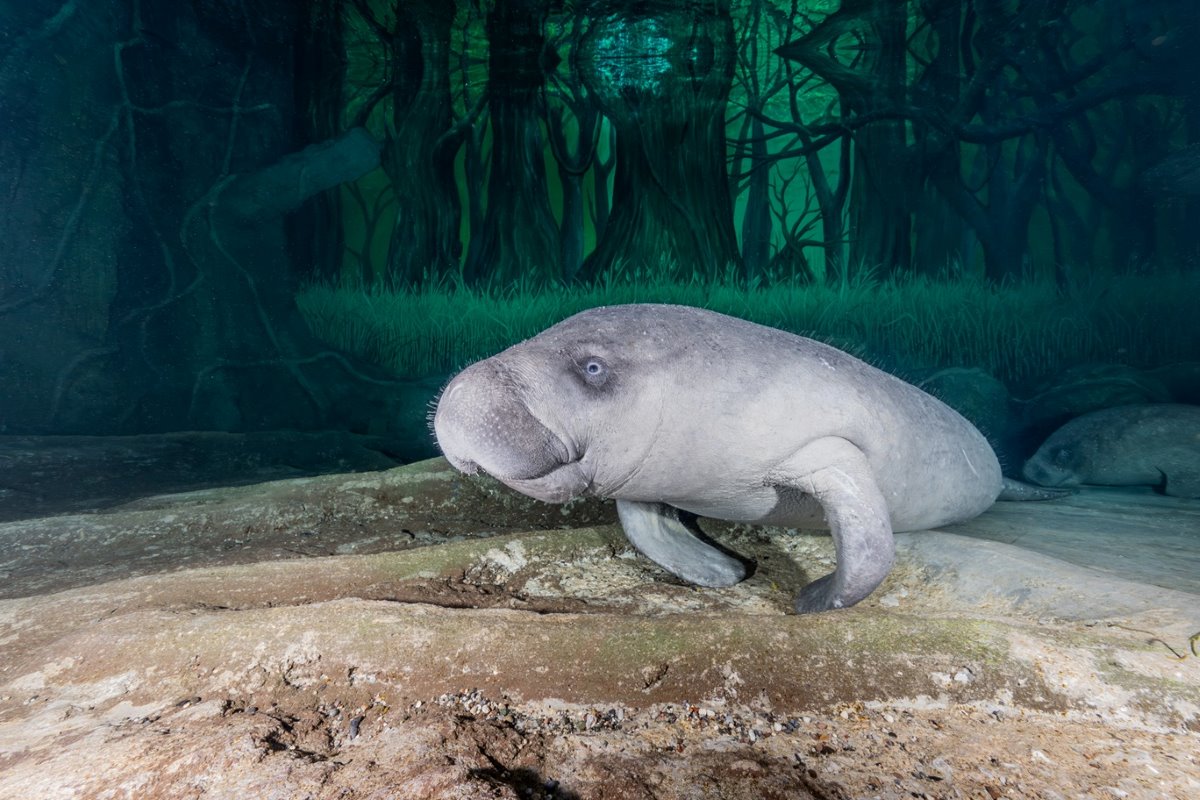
1017,332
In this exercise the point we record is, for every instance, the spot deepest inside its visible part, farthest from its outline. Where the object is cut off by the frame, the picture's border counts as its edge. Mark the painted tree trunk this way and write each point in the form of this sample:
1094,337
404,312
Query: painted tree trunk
939,236
315,230
880,203
662,72
756,222
419,155
519,240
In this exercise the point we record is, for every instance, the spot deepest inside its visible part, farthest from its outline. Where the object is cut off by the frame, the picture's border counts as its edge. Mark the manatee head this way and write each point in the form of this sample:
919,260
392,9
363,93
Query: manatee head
1058,462
553,417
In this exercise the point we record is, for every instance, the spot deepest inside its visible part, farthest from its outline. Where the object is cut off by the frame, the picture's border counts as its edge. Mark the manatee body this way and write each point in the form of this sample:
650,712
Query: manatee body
677,411
1156,445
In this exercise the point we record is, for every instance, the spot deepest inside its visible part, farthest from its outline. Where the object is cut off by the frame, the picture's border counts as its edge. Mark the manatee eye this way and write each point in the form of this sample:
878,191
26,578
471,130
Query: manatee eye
1062,457
595,370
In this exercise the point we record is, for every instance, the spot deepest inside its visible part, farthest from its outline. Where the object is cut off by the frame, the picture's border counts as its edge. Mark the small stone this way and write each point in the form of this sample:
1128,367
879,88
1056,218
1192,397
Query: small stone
939,769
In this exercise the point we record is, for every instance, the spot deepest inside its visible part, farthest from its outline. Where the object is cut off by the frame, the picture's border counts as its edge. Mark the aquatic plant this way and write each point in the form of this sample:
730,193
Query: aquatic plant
1016,331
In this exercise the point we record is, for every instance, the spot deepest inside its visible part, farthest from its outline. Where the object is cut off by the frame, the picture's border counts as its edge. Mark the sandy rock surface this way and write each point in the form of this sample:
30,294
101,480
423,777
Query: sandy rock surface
415,634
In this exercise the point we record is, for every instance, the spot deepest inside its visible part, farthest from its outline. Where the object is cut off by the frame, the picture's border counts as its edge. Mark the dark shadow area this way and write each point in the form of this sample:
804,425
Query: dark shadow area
527,783
42,476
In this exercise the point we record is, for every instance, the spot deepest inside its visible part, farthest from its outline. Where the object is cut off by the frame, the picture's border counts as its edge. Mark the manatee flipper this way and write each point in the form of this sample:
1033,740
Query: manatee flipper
857,515
1021,492
659,532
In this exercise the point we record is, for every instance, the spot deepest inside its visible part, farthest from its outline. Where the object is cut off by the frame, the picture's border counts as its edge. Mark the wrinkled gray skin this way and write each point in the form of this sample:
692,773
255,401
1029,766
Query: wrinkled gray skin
673,409
1156,445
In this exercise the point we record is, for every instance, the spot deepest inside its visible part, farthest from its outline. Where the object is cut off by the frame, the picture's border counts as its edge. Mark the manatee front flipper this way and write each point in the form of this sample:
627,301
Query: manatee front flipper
837,474
662,535
1020,492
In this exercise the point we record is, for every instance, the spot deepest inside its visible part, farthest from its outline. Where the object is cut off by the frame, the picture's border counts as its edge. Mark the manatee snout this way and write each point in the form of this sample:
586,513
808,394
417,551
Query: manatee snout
1053,465
482,422
1043,473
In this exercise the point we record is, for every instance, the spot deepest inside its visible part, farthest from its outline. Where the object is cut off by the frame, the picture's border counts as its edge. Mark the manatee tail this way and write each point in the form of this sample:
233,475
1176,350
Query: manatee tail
1014,490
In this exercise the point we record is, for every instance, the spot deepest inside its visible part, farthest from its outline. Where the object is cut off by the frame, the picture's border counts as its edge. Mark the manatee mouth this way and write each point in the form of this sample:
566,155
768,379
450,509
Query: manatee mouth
558,484
482,423
468,466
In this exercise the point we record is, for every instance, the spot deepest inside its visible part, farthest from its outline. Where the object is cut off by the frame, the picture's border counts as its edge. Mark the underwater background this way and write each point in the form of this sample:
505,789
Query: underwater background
252,215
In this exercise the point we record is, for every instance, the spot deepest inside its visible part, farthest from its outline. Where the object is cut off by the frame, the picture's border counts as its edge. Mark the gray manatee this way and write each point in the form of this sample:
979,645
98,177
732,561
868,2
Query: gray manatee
1156,444
677,411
